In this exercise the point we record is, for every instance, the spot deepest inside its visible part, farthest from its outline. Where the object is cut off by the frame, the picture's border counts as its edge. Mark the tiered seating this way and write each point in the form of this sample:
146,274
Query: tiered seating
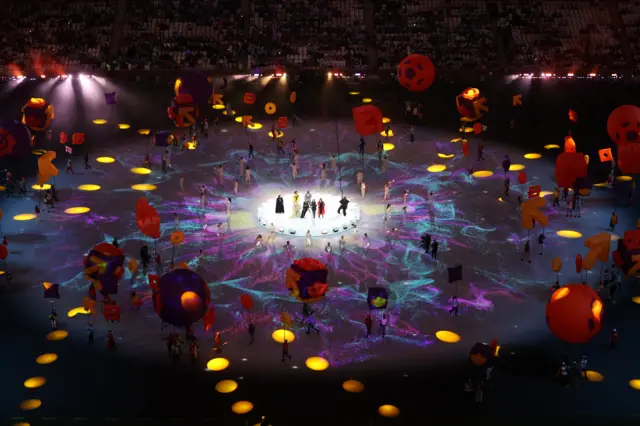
455,34
56,34
182,33
308,33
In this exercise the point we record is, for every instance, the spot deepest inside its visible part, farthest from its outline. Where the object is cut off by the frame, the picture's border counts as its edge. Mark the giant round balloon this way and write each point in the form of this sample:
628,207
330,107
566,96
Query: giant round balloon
623,124
574,313
196,84
481,353
416,72
182,297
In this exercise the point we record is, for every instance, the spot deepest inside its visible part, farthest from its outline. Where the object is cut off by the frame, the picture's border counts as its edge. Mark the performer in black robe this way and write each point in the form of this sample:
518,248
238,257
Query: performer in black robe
314,206
343,206
305,209
279,205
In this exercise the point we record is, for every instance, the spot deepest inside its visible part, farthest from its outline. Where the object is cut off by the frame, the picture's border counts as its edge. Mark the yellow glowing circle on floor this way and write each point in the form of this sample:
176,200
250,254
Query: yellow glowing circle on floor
219,106
77,311
385,134
635,383
466,129
192,146
242,407
42,187
3,188
386,120
144,187
57,335
226,386
567,233
442,155
218,364
636,300
34,382
99,121
388,147
38,152
238,119
124,126
77,210
354,93
254,126
317,363
367,100
467,119
624,178
144,132
601,184
594,376
105,160
500,199
482,174
89,187
456,140
388,410
30,404
24,217
45,359
233,112
516,167
279,134
545,193
353,386
552,146
436,168
447,336
280,335
140,171
532,156
21,424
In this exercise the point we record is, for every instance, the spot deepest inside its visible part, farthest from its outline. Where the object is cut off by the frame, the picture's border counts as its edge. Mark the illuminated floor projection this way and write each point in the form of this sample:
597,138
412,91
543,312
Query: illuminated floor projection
470,218
331,223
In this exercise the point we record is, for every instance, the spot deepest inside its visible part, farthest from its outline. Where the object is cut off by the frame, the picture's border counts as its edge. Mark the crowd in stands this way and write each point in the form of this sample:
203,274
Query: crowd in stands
242,34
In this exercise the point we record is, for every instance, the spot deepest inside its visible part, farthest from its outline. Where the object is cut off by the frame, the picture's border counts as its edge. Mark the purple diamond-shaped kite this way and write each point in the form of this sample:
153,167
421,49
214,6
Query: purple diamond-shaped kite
110,98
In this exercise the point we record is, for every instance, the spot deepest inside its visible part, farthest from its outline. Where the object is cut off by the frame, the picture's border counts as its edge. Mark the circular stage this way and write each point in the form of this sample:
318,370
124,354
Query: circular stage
331,224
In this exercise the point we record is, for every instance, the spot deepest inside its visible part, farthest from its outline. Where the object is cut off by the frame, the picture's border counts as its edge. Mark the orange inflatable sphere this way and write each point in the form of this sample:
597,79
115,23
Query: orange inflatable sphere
190,301
574,313
623,124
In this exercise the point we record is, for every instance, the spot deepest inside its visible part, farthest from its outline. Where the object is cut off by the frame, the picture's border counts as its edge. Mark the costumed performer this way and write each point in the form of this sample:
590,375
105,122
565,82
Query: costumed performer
279,205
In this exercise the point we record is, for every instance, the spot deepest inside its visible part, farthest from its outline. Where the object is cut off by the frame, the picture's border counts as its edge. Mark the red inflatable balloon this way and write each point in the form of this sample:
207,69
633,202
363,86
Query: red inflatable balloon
629,158
623,124
574,313
416,72
477,128
246,301
579,263
522,178
569,167
147,219
4,252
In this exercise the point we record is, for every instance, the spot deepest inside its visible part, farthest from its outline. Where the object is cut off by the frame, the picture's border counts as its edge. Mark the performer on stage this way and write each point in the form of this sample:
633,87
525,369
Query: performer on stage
307,197
305,208
314,207
296,204
307,239
320,208
279,205
344,202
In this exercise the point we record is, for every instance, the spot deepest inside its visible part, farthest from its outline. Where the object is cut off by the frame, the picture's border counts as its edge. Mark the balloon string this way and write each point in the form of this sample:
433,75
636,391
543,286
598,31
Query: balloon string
338,157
